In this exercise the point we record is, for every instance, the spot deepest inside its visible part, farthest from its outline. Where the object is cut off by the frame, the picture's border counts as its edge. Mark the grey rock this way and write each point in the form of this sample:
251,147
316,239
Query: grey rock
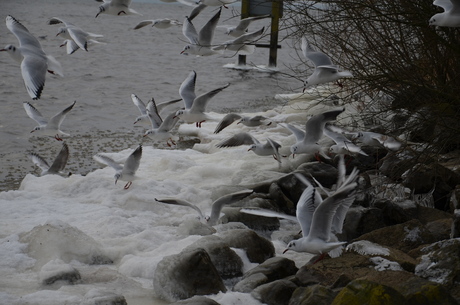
196,300
278,292
186,274
257,248
312,295
254,222
226,261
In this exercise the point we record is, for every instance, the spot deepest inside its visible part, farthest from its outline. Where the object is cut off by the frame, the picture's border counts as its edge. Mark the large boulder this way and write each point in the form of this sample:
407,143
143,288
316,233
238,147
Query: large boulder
404,237
362,291
254,222
226,261
59,240
270,270
257,248
312,295
186,274
196,300
275,293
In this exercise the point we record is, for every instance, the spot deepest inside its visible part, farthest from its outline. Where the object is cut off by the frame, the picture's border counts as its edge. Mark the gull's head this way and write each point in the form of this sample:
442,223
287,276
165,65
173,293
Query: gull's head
9,48
242,120
186,48
252,147
148,132
179,113
101,10
117,176
61,31
434,20
294,149
38,128
291,246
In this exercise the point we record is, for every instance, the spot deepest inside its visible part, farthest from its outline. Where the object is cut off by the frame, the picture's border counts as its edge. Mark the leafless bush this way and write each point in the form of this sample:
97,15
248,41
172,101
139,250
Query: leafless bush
402,65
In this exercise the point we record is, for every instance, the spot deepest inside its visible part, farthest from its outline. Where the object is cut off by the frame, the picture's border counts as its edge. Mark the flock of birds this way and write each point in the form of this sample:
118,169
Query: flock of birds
319,218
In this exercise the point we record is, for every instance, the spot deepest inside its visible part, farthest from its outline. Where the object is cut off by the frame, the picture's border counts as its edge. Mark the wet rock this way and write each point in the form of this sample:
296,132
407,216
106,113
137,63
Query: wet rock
360,220
58,271
101,297
61,241
392,213
257,248
441,263
440,228
254,222
366,292
275,293
312,295
326,174
284,199
418,291
226,261
186,274
455,227
404,237
270,270
307,276
196,300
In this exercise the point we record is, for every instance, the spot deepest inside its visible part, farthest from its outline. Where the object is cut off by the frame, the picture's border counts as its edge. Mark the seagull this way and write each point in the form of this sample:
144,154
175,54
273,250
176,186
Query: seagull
200,43
342,144
163,23
160,129
228,119
151,105
307,141
34,62
116,8
242,45
58,164
318,228
270,148
195,105
216,2
216,205
451,15
51,127
242,27
128,170
325,71
377,139
75,34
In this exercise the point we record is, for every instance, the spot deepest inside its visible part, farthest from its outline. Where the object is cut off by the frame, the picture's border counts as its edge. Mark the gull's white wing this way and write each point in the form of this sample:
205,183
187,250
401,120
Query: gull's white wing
79,36
299,134
61,160
38,161
445,4
56,20
341,212
182,203
249,37
132,163
187,90
33,70
71,46
226,121
224,200
139,104
196,10
268,213
318,58
321,225
189,31
143,23
242,138
200,102
207,32
163,105
25,38
315,125
306,205
125,3
57,119
169,122
34,114
244,23
108,161
153,115
275,146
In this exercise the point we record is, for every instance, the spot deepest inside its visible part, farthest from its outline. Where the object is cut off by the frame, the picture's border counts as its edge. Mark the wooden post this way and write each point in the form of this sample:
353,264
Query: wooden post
274,33
244,14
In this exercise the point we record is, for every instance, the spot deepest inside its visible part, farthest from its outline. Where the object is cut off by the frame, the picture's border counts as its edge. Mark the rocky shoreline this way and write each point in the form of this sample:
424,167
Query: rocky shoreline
403,248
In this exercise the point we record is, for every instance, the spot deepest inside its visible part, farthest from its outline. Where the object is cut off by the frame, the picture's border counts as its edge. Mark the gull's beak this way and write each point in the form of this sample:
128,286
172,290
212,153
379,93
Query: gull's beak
32,130
285,251
2,49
